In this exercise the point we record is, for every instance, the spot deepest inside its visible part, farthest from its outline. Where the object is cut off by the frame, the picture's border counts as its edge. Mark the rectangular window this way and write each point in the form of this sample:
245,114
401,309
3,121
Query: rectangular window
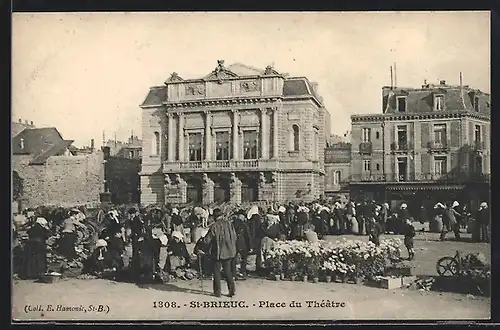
439,166
402,169
366,165
440,134
438,102
402,137
401,103
476,104
367,134
222,145
315,145
337,177
195,147
250,144
477,133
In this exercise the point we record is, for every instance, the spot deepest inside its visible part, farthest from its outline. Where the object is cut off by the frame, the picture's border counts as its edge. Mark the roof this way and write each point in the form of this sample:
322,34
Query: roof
35,140
41,143
156,96
419,100
55,150
296,86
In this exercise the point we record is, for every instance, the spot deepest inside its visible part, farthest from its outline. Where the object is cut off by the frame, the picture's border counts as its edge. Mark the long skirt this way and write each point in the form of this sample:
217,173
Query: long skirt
174,262
34,260
67,245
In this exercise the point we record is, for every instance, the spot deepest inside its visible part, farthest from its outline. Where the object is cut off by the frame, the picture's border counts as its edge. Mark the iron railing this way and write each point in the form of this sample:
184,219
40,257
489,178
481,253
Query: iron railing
401,146
439,145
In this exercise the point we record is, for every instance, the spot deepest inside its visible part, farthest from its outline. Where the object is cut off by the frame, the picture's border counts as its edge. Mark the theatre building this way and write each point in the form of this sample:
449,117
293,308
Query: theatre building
428,144
238,134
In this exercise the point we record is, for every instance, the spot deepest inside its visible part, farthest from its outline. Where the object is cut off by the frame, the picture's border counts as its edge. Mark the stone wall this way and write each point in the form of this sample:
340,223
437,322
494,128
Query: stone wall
63,180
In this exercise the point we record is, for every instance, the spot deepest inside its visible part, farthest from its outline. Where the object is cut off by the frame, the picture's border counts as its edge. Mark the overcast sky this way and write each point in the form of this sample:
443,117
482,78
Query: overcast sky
86,73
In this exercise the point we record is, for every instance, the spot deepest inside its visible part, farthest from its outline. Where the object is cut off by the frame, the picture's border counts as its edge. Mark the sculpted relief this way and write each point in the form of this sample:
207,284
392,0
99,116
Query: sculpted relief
195,89
249,86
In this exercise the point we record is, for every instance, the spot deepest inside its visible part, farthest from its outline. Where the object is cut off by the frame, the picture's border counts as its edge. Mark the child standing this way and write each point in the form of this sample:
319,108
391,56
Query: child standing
409,232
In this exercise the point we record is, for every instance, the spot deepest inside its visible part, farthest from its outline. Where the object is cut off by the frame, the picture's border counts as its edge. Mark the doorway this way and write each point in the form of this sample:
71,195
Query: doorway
402,169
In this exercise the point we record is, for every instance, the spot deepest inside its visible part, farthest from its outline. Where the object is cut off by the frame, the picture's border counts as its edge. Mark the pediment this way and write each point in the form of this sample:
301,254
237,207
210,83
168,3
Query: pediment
174,77
220,72
223,74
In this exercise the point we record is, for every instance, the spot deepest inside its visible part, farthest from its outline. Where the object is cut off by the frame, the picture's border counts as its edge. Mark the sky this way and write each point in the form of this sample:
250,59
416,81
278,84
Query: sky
87,73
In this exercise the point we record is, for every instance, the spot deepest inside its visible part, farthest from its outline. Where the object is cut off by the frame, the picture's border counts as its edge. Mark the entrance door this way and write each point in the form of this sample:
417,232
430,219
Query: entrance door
478,166
221,192
402,169
249,193
194,194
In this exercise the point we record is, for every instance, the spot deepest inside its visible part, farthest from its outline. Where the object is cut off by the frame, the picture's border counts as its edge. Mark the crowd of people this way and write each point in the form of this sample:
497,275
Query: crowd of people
224,240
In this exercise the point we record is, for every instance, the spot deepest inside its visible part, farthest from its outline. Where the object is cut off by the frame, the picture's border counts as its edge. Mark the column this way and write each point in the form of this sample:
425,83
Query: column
208,136
275,133
235,189
181,137
235,135
265,133
171,138
208,189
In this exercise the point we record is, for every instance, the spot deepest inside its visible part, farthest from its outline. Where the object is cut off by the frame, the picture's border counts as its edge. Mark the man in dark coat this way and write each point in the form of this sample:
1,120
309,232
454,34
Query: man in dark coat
483,222
243,244
221,238
422,215
138,231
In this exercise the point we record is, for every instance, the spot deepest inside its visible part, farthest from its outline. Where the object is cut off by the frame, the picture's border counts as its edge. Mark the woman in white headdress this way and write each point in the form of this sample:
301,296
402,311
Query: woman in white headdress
35,252
178,255
255,227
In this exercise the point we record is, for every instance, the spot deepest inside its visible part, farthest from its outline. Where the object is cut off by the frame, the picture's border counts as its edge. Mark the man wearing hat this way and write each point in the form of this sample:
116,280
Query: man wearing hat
221,238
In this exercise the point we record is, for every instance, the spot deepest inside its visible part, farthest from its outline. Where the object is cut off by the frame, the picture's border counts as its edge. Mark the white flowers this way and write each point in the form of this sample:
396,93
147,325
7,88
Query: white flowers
345,256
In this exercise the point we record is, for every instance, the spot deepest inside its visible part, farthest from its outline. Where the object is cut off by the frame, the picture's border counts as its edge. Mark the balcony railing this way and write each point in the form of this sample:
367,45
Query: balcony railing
439,146
365,148
456,177
240,165
401,146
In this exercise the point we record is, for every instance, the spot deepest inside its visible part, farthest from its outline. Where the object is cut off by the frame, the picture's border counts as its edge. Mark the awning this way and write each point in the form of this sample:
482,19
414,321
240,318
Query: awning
426,187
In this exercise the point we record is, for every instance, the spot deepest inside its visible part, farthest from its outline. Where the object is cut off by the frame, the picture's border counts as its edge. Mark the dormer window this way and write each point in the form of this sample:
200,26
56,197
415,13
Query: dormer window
21,143
476,104
438,102
401,102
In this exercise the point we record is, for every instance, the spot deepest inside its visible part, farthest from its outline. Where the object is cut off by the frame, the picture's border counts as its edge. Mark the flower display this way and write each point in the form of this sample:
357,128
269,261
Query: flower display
345,258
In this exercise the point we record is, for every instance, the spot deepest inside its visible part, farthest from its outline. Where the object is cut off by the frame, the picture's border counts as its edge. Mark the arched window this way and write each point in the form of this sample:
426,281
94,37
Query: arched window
296,137
155,150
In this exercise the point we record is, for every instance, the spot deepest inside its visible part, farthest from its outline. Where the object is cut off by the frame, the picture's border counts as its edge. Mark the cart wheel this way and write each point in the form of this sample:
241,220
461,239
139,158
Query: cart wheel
447,266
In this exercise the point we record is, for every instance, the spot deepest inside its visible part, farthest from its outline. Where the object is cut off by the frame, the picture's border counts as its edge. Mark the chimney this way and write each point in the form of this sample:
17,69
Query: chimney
20,121
31,123
442,82
92,144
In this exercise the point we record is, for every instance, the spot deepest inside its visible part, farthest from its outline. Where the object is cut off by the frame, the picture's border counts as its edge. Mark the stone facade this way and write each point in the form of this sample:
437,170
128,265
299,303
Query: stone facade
251,136
62,180
432,138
